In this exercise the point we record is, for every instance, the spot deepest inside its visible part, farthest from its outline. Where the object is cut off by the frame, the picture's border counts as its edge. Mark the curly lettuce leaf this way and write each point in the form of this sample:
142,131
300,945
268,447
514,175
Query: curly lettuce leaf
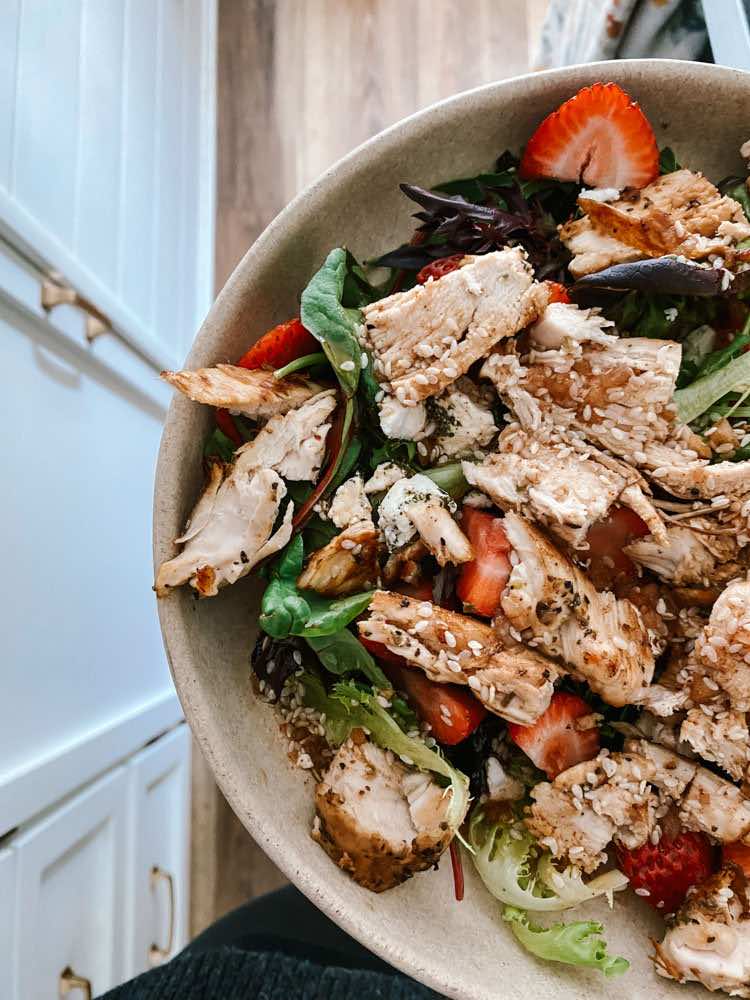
518,872
700,396
577,943
348,706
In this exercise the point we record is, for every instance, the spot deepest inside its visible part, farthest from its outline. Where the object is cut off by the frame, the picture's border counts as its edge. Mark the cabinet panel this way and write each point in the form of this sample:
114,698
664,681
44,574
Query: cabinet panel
7,924
70,899
159,836
46,116
100,132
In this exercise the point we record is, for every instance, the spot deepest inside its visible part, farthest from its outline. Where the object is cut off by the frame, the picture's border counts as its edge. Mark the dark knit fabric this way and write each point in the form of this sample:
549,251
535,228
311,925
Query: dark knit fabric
232,974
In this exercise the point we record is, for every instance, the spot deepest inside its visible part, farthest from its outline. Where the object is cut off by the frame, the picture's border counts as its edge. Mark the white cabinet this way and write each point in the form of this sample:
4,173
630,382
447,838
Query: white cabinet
159,779
7,923
95,885
106,155
70,891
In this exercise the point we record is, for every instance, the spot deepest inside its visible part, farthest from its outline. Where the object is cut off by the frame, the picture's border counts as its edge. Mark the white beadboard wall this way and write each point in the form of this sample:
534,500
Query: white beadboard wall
106,156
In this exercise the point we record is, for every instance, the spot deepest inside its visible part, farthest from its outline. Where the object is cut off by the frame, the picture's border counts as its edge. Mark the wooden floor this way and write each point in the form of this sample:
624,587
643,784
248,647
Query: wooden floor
301,82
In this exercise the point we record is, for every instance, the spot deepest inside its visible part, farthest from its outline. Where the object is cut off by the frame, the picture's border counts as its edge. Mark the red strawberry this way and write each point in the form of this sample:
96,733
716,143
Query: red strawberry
554,743
481,582
437,268
279,346
668,869
599,138
739,853
557,292
452,711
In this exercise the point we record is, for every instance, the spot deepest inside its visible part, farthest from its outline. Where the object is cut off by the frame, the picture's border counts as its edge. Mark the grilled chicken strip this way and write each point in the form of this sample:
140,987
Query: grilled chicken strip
705,801
722,738
584,808
424,339
517,684
293,445
688,557
255,394
563,485
230,531
601,639
723,648
379,820
679,213
708,939
348,564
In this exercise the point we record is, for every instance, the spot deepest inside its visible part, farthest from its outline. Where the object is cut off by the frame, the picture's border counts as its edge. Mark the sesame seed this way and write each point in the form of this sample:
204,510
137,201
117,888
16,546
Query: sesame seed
642,892
363,360
347,366
450,639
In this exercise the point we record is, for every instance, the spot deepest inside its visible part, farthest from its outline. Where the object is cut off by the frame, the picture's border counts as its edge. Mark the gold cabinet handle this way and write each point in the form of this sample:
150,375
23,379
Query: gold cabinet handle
69,981
55,292
155,953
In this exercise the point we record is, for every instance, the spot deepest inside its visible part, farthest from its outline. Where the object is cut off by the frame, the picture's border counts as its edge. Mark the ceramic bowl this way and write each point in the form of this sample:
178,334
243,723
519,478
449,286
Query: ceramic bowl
462,950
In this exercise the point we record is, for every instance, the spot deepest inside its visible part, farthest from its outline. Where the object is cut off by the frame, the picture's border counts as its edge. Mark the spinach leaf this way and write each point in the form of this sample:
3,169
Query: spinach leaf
341,653
306,361
331,312
348,460
219,446
318,532
475,188
668,161
329,616
287,610
640,314
284,610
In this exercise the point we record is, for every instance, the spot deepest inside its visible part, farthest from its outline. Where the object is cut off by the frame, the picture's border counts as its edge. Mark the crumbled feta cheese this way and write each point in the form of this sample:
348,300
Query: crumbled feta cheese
386,474
400,421
500,786
670,314
350,504
462,423
393,519
601,194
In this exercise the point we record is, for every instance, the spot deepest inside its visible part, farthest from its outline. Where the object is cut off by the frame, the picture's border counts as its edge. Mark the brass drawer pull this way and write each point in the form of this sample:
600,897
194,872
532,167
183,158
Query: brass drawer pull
155,953
55,292
69,981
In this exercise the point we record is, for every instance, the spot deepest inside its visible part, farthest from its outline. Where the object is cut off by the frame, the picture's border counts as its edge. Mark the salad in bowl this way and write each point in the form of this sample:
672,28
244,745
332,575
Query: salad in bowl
495,482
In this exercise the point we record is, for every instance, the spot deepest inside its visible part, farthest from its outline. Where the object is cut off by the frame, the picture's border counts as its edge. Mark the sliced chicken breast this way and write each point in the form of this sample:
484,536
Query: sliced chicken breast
255,394
231,531
723,648
705,801
592,249
708,939
586,807
348,564
515,683
551,603
559,483
422,340
722,738
350,504
379,820
294,444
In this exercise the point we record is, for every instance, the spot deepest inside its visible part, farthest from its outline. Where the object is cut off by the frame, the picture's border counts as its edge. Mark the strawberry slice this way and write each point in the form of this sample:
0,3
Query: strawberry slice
279,346
437,268
557,292
606,540
481,582
452,711
599,138
739,854
554,743
665,871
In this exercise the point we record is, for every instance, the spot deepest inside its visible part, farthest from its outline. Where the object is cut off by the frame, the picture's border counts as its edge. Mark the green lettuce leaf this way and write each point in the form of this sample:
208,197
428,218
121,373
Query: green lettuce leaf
348,707
518,872
699,396
668,161
219,446
696,348
578,943
342,653
450,478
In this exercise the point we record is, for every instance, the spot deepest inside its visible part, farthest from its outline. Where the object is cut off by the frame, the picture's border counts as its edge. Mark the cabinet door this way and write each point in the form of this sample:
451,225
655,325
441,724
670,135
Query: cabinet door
7,924
158,873
70,881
